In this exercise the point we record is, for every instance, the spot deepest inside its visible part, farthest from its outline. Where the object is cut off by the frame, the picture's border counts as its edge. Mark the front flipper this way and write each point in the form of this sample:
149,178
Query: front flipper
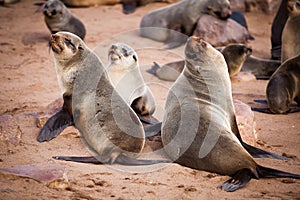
129,6
176,37
152,130
262,101
58,122
239,180
123,160
259,153
55,125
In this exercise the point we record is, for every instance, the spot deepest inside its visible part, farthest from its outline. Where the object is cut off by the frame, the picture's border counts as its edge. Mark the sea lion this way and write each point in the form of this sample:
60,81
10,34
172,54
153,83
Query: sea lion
181,17
107,124
234,54
283,88
125,74
197,126
59,18
290,34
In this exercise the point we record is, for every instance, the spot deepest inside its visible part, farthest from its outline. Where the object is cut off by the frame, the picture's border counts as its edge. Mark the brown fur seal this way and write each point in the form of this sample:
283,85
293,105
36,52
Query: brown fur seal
234,54
59,18
290,33
276,30
181,17
125,74
197,127
107,124
283,88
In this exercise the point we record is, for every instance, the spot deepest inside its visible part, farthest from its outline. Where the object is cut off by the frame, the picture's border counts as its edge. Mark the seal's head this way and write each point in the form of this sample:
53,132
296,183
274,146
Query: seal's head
200,55
122,55
237,51
66,46
293,6
219,8
53,8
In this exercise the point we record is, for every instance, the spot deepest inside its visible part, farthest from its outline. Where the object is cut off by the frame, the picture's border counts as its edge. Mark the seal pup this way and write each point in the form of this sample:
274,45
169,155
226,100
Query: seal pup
180,17
59,18
290,34
107,124
235,55
283,88
197,130
125,74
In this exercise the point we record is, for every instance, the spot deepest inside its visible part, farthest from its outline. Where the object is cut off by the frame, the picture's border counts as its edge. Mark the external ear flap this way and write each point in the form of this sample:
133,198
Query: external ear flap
80,47
134,57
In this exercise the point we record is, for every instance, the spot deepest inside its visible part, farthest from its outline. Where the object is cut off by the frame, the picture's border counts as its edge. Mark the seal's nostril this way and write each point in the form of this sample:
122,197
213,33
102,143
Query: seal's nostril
114,47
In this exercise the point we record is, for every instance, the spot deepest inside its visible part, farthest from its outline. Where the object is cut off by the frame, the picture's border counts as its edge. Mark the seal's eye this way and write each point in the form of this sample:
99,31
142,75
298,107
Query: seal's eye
134,57
70,44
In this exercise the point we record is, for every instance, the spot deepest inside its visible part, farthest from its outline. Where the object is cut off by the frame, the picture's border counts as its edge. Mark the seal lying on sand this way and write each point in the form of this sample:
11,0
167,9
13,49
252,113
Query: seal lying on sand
234,54
59,18
181,17
107,124
197,129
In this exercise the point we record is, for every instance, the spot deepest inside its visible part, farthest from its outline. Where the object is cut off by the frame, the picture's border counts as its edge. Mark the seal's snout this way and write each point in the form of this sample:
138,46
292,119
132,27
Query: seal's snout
199,42
54,43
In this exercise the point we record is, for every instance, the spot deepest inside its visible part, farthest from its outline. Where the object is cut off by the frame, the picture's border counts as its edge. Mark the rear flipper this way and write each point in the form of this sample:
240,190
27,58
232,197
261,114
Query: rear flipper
259,153
153,68
55,125
265,172
123,160
152,130
239,180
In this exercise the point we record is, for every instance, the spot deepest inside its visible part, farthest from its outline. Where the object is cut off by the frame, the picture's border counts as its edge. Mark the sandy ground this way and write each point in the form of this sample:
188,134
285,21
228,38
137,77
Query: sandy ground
29,84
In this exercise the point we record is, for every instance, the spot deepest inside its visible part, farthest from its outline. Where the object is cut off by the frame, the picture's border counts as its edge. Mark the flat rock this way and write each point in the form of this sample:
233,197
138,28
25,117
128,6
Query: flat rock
42,172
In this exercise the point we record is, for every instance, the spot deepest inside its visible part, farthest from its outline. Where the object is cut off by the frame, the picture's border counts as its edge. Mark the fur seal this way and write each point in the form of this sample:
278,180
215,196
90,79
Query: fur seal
181,17
197,127
59,18
283,88
290,33
276,30
125,74
234,54
107,124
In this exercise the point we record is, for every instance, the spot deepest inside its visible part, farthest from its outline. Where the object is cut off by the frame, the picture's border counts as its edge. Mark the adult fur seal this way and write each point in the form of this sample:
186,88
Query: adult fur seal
283,88
290,33
181,17
276,30
59,18
197,127
126,76
234,54
107,124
